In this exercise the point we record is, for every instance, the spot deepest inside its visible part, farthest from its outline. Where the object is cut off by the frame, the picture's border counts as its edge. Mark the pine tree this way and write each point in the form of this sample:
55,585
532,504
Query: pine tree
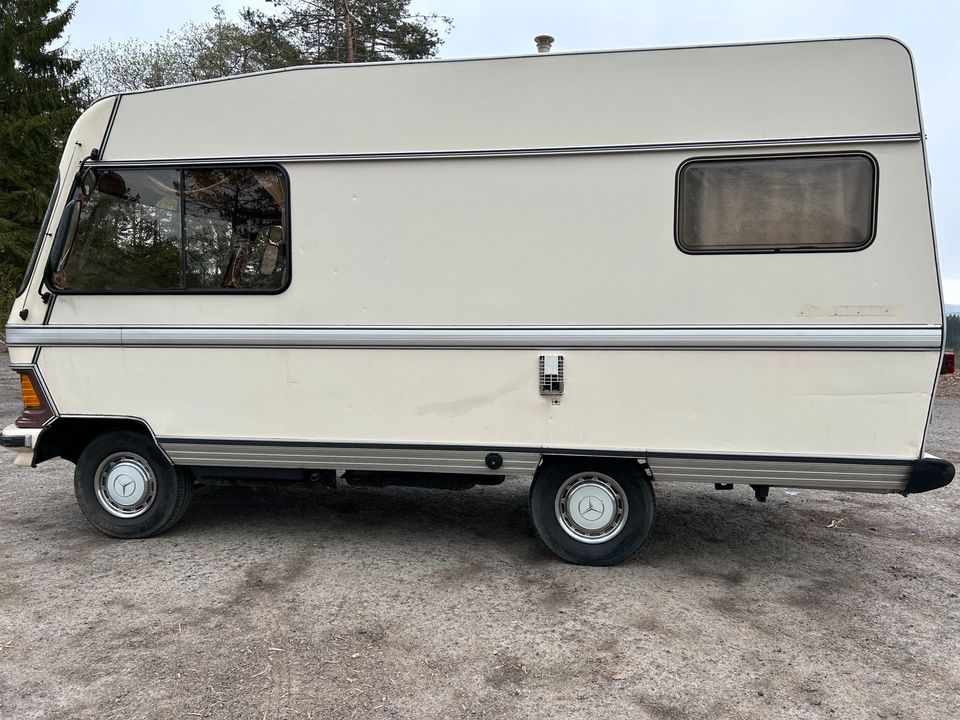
39,100
347,31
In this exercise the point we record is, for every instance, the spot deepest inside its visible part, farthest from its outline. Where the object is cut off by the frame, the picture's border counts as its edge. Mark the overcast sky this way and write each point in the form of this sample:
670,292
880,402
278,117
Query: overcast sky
497,27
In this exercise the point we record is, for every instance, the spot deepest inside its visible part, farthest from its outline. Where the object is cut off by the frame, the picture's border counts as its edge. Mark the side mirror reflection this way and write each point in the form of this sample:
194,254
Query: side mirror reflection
64,236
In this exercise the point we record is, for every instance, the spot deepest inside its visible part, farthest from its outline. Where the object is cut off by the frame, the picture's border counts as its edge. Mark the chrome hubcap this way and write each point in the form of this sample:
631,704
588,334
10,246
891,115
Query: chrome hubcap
125,485
591,507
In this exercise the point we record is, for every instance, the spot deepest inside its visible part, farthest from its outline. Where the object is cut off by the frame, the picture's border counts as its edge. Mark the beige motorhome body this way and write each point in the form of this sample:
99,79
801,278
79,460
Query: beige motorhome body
716,261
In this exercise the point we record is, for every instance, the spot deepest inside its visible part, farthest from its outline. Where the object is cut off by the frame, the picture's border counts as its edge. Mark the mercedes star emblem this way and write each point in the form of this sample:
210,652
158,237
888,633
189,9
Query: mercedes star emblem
123,486
590,507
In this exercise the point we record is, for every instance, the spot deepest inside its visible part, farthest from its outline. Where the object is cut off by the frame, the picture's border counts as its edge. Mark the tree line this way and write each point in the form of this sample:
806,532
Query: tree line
292,32
44,85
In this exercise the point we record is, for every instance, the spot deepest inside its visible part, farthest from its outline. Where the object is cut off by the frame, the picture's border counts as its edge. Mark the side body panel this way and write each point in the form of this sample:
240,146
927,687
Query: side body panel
806,403
487,216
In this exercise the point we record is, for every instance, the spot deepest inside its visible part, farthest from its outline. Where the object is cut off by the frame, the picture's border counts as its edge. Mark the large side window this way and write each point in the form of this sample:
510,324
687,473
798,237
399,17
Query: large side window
770,204
170,229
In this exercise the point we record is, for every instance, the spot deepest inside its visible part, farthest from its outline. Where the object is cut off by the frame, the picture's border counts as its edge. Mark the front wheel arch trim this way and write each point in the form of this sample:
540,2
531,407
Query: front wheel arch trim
68,435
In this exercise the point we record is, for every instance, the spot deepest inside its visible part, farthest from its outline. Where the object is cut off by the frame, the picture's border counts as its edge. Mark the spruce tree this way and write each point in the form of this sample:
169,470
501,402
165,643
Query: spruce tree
39,100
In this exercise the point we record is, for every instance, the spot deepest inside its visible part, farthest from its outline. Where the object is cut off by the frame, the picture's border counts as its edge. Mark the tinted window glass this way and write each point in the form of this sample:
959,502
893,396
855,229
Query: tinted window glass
128,234
758,204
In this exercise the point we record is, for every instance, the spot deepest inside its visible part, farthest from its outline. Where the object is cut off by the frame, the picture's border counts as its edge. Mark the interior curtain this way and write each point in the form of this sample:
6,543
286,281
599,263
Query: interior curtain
270,181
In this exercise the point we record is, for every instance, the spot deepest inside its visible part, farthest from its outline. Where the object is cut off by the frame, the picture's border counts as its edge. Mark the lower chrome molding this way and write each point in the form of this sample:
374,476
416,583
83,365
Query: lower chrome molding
864,477
394,459
881,476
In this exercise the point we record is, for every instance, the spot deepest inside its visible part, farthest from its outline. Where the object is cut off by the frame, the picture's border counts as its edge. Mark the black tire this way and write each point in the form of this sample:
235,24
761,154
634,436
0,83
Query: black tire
162,504
630,525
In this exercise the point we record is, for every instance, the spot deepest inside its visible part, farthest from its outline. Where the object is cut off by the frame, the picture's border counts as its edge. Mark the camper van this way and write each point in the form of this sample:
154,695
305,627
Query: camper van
596,271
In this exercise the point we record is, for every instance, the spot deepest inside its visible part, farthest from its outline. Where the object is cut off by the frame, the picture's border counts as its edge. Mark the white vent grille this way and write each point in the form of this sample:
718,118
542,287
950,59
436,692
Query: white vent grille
551,374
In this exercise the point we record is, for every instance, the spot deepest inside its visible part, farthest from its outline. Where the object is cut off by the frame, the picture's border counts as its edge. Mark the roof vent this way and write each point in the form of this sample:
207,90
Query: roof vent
543,43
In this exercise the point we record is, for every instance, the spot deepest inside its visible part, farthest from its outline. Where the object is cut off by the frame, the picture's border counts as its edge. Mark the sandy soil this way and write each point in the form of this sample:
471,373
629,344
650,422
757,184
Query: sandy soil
410,603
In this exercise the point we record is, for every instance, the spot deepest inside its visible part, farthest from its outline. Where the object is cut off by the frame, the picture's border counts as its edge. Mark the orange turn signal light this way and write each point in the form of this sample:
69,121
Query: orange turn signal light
37,410
29,393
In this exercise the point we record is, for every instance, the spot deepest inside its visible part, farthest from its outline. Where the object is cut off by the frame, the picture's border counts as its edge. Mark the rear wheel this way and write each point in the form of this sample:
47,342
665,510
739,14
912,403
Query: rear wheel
592,511
126,488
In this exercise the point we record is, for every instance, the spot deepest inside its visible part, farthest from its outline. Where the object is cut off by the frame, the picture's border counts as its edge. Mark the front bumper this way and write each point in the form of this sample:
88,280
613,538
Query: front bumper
21,441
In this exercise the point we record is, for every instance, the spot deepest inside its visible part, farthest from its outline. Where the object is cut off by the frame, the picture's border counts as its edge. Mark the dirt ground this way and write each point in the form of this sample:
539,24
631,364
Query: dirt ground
406,603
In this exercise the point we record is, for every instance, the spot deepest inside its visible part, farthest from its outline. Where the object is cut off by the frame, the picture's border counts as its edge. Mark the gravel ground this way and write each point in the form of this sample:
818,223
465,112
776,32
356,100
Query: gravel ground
407,603
949,386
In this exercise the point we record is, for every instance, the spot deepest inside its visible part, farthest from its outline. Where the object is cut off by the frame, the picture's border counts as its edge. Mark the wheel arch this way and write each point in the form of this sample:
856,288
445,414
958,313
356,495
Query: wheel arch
550,458
67,436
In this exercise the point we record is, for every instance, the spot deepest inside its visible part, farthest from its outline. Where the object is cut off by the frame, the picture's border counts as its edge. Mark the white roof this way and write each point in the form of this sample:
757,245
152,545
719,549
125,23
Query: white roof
776,91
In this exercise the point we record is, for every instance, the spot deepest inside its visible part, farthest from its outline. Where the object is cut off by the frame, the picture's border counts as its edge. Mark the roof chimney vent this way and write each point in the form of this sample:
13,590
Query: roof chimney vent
543,43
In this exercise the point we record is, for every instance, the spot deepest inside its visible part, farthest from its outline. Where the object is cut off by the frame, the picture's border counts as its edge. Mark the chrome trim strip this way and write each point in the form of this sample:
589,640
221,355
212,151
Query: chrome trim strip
865,337
783,473
106,133
522,151
812,473
352,458
63,336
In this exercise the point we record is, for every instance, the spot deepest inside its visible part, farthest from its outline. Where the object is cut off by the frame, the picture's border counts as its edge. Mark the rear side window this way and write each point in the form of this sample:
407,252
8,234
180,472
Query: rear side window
170,230
770,204
232,218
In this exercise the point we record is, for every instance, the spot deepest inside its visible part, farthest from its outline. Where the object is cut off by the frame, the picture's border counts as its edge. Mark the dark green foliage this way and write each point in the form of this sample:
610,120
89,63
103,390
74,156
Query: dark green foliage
343,31
953,332
39,100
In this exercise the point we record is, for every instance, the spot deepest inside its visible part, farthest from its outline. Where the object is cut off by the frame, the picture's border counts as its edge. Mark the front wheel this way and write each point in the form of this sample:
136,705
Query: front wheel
592,511
126,488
